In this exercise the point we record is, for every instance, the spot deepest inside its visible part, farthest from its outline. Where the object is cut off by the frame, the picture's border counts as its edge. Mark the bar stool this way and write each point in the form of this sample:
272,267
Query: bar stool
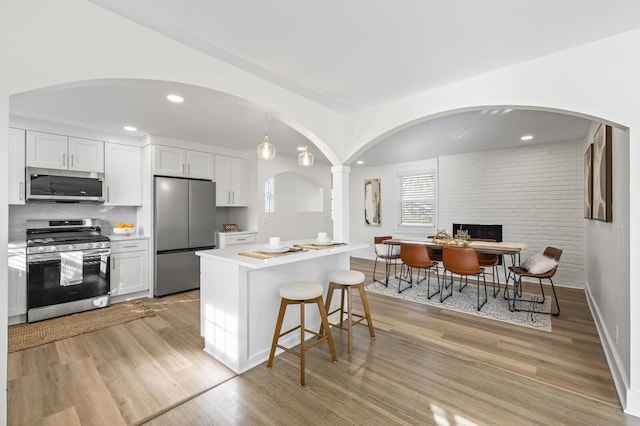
300,293
344,280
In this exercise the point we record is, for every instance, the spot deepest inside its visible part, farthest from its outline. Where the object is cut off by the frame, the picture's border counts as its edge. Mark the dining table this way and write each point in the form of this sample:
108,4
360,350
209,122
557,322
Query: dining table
502,248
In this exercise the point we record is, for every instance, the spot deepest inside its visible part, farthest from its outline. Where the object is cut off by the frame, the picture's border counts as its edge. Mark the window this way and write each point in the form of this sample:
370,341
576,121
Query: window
417,200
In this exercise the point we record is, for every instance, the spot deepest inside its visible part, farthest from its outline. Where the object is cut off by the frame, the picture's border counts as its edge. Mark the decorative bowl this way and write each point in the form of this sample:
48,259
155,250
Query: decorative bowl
124,231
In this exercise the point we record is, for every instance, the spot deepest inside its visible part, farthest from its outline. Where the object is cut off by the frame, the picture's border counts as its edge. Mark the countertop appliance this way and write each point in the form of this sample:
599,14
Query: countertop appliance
67,267
185,221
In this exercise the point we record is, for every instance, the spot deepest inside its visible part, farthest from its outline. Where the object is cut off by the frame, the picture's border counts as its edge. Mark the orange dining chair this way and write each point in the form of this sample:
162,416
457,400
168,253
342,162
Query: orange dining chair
522,271
416,256
488,260
389,254
463,261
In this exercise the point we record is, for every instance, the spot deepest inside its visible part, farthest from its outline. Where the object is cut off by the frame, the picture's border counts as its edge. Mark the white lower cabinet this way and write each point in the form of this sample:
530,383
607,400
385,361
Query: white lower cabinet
129,266
17,285
225,239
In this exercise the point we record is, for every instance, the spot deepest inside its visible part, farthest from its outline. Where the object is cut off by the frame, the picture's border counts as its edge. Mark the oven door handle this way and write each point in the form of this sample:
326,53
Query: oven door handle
43,258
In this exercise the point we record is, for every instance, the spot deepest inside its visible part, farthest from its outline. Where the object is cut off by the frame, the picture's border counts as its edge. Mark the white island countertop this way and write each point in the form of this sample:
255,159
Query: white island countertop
230,254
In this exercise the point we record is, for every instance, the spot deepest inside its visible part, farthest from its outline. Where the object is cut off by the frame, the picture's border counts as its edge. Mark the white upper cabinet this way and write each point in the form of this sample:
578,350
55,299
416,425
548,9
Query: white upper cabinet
199,165
86,155
172,161
16,166
52,151
231,181
123,175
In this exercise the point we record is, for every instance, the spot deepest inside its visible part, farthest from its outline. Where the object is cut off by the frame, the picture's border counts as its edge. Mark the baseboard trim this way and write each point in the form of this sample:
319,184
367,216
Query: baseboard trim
615,364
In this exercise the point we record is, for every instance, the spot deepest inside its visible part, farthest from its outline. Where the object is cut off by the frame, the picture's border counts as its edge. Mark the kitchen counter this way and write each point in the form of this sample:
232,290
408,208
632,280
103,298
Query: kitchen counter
239,298
115,237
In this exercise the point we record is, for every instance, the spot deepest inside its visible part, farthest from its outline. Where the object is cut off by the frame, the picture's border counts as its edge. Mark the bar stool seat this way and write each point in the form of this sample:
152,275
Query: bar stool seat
300,293
345,280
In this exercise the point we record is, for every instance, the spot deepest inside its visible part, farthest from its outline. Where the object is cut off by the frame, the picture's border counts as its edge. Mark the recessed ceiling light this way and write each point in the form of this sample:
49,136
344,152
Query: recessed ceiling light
300,148
175,98
359,162
130,129
526,138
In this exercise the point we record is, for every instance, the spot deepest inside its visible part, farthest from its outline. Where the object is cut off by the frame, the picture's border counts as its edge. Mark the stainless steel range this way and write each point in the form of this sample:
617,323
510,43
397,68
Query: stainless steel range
67,267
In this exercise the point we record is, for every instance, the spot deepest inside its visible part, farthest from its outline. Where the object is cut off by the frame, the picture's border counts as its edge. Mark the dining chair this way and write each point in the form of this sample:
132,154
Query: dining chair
463,261
416,256
488,260
389,253
519,272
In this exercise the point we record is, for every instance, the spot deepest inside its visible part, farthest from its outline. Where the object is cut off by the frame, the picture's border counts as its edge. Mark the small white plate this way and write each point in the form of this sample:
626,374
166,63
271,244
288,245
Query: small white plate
275,250
323,243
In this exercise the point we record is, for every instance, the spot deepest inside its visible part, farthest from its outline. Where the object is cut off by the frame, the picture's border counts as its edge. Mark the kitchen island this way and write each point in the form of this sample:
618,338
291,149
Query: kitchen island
239,298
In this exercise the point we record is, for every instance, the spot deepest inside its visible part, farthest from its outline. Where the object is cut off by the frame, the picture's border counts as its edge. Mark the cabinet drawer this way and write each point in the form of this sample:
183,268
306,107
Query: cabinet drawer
126,246
231,240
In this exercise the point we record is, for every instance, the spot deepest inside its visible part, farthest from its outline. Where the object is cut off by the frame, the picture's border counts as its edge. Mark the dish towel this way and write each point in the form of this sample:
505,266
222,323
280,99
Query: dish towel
70,268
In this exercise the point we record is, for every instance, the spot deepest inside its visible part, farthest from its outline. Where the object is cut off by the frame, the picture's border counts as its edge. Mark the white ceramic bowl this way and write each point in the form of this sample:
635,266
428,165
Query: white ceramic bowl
124,231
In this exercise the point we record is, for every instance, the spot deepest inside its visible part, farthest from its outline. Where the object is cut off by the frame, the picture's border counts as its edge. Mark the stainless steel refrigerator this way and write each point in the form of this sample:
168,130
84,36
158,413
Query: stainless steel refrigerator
185,221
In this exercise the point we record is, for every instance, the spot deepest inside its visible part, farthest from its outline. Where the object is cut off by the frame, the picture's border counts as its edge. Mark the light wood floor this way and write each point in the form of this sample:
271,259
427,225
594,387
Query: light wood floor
426,366
429,366
120,375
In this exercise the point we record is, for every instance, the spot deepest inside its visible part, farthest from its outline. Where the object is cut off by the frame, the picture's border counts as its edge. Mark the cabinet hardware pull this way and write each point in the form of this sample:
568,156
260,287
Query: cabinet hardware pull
71,165
108,193
113,263
130,246
233,197
182,168
64,160
229,197
20,191
188,169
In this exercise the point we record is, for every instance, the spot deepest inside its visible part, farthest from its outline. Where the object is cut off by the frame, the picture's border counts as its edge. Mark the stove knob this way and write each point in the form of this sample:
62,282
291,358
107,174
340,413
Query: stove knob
53,248
41,249
72,247
98,245
89,245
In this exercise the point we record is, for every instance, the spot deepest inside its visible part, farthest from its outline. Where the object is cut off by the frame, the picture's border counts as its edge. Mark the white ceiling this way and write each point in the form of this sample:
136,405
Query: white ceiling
347,55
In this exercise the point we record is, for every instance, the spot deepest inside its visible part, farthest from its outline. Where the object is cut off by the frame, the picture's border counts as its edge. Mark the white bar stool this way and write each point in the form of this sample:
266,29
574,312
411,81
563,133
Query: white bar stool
300,293
345,280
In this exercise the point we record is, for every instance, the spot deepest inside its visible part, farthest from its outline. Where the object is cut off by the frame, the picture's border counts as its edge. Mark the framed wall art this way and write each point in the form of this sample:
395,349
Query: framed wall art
602,175
372,202
588,182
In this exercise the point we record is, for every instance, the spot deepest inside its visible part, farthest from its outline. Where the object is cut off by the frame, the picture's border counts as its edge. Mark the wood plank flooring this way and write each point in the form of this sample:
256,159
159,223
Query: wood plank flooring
429,366
426,366
120,375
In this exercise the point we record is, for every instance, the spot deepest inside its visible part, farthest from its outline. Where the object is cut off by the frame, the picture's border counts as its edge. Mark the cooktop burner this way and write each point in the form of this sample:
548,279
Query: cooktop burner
52,232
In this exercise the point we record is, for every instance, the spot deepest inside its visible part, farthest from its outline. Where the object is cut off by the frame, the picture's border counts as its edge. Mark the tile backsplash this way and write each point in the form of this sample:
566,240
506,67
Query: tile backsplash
109,215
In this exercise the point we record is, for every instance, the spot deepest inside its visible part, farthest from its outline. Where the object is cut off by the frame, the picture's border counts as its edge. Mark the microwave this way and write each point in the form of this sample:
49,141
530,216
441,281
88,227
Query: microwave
64,186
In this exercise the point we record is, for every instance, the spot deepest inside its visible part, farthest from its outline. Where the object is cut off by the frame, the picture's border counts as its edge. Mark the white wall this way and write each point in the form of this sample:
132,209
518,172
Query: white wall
608,265
362,233
290,224
533,191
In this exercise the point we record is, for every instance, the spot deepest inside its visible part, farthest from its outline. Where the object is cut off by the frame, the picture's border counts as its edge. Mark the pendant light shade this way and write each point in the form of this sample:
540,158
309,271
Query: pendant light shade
305,158
266,150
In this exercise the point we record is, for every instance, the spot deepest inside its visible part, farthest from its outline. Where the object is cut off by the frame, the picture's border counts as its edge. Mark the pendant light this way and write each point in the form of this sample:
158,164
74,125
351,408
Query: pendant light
266,150
305,158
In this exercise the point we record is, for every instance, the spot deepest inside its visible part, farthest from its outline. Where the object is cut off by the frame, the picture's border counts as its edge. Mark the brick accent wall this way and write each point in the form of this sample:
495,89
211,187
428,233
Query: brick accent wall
535,192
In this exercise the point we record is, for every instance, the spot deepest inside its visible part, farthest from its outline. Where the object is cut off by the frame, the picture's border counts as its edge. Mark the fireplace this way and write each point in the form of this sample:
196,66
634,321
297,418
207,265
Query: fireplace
480,231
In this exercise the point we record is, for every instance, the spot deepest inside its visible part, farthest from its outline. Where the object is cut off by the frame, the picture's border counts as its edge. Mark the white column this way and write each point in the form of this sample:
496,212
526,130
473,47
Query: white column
341,230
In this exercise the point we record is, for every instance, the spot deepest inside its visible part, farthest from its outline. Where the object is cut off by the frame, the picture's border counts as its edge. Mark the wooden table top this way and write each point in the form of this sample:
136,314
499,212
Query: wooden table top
480,246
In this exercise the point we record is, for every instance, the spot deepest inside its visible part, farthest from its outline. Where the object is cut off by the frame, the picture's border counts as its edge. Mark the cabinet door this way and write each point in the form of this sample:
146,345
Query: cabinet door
169,161
223,180
46,150
238,182
199,165
86,155
129,272
17,283
123,175
16,166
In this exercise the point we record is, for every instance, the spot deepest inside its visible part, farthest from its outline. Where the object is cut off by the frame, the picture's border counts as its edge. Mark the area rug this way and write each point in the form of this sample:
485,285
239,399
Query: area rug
25,336
466,302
